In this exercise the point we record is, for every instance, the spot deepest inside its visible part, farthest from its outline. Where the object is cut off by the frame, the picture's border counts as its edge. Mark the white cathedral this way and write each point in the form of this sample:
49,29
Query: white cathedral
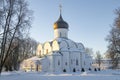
61,54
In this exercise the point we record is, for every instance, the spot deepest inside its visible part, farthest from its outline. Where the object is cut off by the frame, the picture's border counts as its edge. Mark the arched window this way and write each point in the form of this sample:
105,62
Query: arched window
40,53
76,62
58,62
84,63
49,63
71,61
66,63
46,51
60,34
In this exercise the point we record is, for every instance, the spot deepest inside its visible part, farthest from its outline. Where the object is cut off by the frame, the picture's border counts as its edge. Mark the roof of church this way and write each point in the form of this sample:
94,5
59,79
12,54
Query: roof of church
60,23
34,59
70,43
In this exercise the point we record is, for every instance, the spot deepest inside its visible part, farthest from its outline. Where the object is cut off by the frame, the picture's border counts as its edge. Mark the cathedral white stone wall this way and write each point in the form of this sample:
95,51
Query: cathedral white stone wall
63,54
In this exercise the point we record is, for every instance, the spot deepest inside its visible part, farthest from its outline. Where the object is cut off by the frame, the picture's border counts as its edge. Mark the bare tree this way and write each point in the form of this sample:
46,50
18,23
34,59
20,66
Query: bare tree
114,45
98,58
89,51
114,40
27,48
15,19
107,55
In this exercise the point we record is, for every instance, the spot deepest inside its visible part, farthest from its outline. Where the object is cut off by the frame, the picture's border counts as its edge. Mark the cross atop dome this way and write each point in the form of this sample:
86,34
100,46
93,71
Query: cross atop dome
60,6
60,26
60,23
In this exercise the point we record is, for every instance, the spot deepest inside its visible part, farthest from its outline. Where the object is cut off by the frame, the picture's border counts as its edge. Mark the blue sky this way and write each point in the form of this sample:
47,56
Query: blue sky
89,20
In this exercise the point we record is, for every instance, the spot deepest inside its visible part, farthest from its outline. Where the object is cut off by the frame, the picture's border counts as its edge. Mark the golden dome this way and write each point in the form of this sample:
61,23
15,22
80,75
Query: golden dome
60,23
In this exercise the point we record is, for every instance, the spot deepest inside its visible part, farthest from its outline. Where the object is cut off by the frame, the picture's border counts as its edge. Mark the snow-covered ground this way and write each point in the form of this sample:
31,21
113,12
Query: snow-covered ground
99,75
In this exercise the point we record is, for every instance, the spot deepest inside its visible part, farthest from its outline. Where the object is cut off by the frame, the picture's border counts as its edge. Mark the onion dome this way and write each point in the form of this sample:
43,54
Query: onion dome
60,23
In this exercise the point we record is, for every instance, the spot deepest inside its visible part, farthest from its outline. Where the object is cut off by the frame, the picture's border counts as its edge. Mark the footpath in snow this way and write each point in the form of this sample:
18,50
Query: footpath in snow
99,75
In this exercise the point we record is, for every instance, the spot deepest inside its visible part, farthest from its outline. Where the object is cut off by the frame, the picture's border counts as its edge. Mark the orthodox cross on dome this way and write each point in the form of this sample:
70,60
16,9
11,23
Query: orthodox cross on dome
60,6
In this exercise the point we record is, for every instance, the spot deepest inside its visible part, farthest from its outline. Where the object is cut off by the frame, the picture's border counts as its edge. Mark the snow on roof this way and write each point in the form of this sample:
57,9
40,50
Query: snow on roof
34,58
56,54
68,41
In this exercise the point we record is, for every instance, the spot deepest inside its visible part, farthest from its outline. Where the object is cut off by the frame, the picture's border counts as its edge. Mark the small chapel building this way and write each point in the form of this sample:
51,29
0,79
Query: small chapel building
63,54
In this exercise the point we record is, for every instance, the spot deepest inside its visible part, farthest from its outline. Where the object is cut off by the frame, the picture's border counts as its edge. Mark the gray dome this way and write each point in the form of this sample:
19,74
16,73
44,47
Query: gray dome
60,23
